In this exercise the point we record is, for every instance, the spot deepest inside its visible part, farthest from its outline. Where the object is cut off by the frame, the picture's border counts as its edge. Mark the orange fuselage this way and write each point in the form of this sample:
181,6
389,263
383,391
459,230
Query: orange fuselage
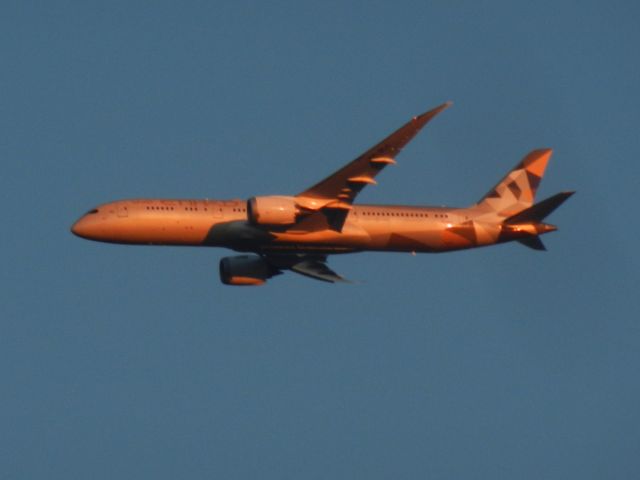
225,224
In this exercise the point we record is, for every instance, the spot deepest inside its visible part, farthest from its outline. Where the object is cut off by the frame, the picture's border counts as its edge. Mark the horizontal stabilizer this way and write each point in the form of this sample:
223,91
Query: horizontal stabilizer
539,211
533,242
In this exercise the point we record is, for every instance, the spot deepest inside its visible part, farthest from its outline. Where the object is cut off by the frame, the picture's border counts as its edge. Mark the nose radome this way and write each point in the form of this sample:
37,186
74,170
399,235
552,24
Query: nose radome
80,228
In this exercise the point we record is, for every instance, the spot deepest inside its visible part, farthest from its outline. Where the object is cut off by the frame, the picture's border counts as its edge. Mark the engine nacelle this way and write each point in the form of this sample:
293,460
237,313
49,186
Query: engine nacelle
245,270
272,210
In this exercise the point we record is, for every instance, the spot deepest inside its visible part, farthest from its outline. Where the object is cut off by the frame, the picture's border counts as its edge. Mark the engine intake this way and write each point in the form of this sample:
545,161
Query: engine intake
245,270
272,210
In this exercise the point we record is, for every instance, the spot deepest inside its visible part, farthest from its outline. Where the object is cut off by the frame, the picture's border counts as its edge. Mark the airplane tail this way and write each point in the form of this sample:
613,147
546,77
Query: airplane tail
539,211
526,225
517,190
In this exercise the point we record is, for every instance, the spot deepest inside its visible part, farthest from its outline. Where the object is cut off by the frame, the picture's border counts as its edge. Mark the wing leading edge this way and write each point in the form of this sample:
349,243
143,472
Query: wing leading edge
339,190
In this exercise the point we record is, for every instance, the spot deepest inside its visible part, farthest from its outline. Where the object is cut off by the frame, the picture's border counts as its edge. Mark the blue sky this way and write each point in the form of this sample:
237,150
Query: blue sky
136,362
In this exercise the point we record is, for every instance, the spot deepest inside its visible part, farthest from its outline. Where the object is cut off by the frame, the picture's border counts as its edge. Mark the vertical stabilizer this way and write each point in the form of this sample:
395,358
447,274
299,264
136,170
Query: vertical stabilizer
517,190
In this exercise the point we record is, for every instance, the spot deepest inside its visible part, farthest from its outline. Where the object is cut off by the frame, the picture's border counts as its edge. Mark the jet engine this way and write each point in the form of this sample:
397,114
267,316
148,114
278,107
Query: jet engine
272,210
245,270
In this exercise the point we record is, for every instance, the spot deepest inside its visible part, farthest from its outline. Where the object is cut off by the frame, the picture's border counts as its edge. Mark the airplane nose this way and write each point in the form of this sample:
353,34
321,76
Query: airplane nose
76,229
80,228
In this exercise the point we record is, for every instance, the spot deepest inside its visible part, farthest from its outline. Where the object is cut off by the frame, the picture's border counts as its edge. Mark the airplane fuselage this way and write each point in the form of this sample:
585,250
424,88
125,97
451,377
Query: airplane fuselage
224,223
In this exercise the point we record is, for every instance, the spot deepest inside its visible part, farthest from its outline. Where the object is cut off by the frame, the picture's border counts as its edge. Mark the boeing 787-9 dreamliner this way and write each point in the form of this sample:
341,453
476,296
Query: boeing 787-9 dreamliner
298,232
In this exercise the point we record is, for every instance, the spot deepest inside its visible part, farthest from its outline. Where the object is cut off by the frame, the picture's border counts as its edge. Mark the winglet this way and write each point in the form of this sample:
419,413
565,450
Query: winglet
423,118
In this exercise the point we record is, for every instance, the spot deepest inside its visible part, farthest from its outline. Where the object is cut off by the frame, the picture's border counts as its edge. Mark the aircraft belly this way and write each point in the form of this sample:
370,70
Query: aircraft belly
431,236
406,237
413,241
237,235
243,236
351,238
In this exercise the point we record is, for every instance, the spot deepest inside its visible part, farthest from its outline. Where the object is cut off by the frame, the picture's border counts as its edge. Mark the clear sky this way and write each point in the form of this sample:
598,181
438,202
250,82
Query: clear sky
135,362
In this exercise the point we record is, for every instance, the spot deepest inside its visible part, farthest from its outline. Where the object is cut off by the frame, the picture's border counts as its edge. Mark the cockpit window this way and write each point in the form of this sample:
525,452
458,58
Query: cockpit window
95,210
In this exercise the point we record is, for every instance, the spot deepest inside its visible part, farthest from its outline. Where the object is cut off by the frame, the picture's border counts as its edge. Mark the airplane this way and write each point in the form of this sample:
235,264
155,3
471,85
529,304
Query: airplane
276,233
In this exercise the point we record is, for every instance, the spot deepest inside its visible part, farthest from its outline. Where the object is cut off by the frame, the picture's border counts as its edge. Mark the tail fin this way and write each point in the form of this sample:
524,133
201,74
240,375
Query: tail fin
517,190
527,225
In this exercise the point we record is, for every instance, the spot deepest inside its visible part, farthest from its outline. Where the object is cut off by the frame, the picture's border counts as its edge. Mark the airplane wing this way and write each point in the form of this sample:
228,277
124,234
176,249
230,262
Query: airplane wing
312,266
318,270
339,190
